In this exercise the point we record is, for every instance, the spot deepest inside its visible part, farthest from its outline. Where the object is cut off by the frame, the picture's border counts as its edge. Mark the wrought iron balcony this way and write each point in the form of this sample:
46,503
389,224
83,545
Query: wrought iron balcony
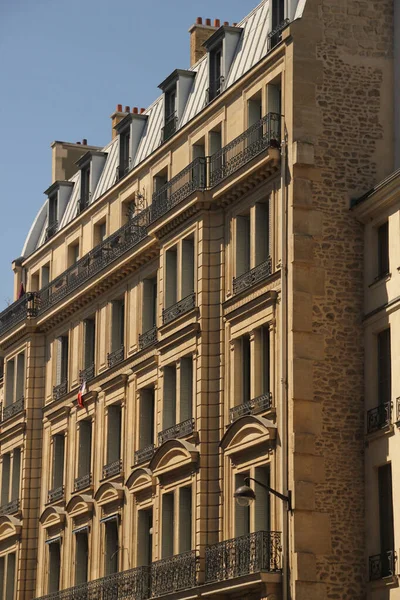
178,309
192,178
379,417
55,494
275,35
382,565
252,553
60,390
12,409
87,374
10,508
18,311
128,585
144,454
95,261
113,468
260,272
215,89
173,574
148,338
253,407
113,358
260,136
169,128
51,230
82,482
176,431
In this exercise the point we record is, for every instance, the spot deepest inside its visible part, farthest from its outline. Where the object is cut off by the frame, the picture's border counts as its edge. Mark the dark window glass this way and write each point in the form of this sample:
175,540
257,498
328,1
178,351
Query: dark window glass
383,250
384,367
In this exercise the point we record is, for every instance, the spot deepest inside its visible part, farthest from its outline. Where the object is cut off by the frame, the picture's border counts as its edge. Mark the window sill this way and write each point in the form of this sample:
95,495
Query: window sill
380,279
385,431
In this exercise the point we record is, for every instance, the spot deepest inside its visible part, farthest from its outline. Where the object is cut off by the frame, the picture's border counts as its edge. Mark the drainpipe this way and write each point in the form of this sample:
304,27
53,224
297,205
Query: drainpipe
284,362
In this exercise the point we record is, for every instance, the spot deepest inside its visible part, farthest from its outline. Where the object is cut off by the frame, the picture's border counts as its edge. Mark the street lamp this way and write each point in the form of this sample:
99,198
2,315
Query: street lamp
245,494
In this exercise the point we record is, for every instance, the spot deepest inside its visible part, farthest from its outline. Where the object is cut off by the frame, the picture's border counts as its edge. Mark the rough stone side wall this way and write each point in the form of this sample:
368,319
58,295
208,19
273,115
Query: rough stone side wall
342,70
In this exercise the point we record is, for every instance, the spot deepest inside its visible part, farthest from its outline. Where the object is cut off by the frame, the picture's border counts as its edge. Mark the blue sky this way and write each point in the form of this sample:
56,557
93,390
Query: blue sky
64,66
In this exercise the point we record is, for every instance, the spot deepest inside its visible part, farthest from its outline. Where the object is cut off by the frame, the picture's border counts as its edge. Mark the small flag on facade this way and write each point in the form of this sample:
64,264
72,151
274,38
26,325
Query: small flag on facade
21,291
81,393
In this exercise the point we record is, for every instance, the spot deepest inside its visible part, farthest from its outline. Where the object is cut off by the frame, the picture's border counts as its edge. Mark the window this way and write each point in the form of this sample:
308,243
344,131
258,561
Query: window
170,117
7,576
177,522
113,439
252,242
62,361
178,399
254,109
5,478
171,265
146,417
15,379
117,325
100,233
111,546
386,518
187,267
149,304
383,250
255,517
169,405
54,565
85,455
57,481
185,519
81,556
168,525
242,244
73,254
159,182
85,187
89,347
145,537
278,16
216,79
124,151
179,271
384,367
52,225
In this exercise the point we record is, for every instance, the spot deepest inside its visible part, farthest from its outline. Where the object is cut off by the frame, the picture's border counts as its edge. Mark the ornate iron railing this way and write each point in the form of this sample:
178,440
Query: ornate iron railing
51,230
144,454
275,35
113,468
60,390
170,126
12,409
82,482
95,261
173,574
176,431
18,311
126,585
113,358
87,374
215,89
10,508
55,494
379,417
253,407
192,178
148,338
245,147
178,309
382,565
260,272
252,553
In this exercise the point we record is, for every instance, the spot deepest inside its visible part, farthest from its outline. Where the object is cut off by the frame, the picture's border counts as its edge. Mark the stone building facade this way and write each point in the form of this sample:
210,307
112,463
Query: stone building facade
199,283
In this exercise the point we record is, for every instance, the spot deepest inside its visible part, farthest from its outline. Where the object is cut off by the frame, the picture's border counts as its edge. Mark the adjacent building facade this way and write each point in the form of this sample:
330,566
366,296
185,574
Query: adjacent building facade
189,314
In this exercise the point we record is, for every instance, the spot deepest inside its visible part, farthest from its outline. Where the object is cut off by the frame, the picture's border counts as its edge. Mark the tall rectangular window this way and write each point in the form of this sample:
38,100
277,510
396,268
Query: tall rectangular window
262,502
146,417
54,567
386,515
10,581
262,250
246,378
242,513
124,151
384,367
85,449
186,389
185,519
215,58
58,461
114,433
111,547
187,267
168,525
53,210
169,400
89,341
5,478
171,280
149,303
117,325
265,360
383,249
62,359
10,382
242,244
85,187
145,537
82,557
16,474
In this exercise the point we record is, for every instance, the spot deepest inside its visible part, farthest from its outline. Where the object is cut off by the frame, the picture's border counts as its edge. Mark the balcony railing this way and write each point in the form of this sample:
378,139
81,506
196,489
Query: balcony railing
51,230
95,261
10,508
176,431
127,585
144,454
148,338
12,409
87,374
192,178
18,311
113,358
82,482
55,494
60,390
379,417
169,128
275,35
252,553
178,309
260,272
173,574
382,565
113,468
253,407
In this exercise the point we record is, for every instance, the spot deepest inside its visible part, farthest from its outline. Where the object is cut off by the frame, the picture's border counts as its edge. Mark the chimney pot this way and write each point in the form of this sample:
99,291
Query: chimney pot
135,110
78,143
119,107
234,24
226,23
127,109
142,110
208,21
217,23
199,21
84,142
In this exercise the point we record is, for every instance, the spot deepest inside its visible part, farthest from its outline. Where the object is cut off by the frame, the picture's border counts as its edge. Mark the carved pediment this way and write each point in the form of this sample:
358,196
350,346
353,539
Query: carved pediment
246,433
52,516
174,455
9,527
80,505
139,480
108,493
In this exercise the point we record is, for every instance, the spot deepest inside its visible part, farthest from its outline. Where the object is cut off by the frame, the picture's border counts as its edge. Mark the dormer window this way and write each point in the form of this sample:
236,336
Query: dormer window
221,47
124,145
129,131
85,188
53,215
278,22
176,90
58,196
91,165
170,117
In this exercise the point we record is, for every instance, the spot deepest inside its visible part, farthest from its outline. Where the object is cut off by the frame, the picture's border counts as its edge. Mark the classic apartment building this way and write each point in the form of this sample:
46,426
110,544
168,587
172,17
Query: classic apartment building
200,280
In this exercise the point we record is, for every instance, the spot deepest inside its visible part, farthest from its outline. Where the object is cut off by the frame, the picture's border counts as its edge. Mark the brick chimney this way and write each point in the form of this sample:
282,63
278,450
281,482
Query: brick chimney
117,116
199,33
